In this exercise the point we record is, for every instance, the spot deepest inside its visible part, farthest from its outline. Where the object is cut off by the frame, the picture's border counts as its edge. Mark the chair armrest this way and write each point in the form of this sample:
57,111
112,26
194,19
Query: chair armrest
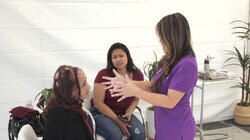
139,109
92,120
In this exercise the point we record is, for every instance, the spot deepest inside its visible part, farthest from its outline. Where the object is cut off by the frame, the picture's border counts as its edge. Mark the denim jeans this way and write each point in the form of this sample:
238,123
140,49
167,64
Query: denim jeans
111,131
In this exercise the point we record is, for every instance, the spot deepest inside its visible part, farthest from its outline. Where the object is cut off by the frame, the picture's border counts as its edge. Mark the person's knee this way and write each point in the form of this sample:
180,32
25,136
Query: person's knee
137,131
115,135
107,128
139,135
142,136
110,134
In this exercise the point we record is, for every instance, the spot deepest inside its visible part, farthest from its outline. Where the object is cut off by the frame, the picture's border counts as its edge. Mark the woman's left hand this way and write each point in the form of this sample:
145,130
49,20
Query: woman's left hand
127,115
125,90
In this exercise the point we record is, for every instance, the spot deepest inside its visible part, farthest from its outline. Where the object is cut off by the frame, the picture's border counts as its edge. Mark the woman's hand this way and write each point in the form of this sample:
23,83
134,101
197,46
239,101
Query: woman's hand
125,90
123,126
127,115
117,79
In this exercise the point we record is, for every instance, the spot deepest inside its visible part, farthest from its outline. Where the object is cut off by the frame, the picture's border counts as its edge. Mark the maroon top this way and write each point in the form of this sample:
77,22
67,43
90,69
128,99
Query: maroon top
111,102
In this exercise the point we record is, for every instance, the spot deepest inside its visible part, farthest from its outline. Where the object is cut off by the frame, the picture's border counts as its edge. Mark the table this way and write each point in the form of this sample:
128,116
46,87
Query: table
202,88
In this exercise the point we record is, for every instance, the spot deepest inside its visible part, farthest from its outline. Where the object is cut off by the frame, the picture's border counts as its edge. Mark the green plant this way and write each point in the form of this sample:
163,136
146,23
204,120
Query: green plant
44,96
150,68
151,108
244,33
242,60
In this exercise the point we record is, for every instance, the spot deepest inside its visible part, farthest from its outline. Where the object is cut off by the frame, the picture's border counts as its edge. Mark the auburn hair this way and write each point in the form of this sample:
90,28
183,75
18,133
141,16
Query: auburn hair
65,84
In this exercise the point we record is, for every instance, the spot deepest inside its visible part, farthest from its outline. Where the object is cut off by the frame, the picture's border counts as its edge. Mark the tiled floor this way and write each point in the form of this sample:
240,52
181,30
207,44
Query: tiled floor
229,127
234,131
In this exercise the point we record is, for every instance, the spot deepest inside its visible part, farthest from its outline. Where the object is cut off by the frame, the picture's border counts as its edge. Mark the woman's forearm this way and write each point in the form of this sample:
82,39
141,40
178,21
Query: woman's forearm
167,101
99,96
105,110
144,85
155,99
132,106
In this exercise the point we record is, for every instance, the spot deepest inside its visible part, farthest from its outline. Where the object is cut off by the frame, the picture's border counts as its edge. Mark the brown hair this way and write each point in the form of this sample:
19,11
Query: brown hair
174,33
65,84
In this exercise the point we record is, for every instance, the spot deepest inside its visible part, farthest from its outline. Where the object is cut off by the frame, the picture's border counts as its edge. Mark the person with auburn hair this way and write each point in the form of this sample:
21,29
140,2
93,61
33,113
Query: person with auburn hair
172,85
107,112
65,118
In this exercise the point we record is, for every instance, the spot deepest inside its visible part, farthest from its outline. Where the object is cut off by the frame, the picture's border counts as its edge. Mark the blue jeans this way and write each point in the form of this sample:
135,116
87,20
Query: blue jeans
111,131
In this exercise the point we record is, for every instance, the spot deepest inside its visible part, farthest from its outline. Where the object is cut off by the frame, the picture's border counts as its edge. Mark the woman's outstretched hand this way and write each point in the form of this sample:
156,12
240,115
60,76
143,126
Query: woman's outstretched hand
125,90
120,86
111,80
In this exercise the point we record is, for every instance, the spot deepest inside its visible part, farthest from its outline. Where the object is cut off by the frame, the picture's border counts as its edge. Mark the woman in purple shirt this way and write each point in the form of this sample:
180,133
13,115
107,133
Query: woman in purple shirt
173,84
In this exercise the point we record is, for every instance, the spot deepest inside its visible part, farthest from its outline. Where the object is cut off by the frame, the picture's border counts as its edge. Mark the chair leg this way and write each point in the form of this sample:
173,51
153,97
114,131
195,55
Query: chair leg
201,134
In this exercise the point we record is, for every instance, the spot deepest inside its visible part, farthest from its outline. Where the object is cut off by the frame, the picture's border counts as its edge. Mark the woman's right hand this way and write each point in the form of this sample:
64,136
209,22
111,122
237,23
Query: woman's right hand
112,80
123,126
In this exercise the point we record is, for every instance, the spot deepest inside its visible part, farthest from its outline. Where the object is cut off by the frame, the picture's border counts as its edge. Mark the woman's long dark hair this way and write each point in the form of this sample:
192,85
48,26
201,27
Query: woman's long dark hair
174,33
130,65
66,82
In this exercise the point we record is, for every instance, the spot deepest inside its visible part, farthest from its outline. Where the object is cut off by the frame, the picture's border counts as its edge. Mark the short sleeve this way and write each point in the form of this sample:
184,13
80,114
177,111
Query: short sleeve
184,77
138,76
98,78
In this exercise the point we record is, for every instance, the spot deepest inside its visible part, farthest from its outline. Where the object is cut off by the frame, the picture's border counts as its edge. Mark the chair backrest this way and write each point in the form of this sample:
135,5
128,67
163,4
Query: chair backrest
86,102
27,133
92,120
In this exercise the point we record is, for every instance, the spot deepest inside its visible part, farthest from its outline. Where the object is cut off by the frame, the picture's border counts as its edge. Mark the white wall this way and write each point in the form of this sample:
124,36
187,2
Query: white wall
37,36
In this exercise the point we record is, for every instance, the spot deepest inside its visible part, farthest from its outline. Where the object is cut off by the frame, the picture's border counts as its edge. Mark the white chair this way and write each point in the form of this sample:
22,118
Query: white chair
27,133
96,136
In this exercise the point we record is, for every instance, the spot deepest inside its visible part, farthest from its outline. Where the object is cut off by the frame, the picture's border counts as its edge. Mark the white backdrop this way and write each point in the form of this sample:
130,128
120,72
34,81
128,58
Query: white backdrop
37,36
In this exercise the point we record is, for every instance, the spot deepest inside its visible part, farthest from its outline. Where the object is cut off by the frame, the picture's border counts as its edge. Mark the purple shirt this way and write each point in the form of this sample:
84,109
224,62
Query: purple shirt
177,123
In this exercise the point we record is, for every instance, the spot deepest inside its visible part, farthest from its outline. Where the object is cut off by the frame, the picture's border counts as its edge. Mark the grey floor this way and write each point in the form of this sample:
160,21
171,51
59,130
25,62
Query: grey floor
229,127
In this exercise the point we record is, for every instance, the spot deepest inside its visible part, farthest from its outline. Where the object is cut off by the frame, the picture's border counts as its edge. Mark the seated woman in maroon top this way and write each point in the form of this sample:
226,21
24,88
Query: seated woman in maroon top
106,109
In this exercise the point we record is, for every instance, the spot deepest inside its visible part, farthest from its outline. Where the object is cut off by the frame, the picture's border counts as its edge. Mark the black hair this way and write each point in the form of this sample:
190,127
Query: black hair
130,65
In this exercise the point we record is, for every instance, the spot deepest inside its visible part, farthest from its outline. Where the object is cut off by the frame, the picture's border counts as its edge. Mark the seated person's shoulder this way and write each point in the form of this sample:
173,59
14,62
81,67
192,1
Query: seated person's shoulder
138,75
138,72
66,124
103,72
61,114
99,79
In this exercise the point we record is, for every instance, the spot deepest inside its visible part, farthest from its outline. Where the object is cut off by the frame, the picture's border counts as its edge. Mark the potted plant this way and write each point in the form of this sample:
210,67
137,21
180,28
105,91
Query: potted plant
150,69
44,96
242,108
